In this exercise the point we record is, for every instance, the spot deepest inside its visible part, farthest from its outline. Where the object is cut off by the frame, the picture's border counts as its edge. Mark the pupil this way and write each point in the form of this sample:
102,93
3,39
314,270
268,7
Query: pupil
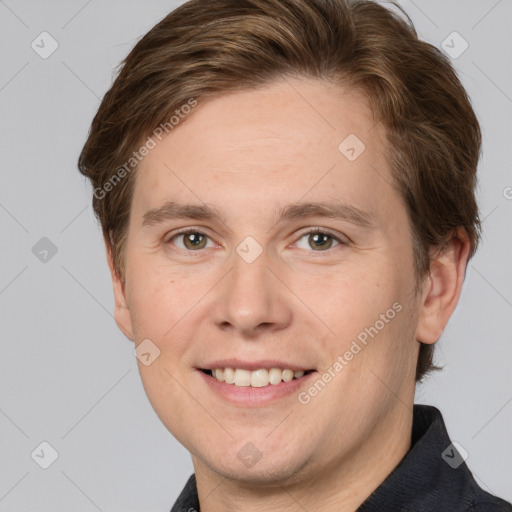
194,239
320,238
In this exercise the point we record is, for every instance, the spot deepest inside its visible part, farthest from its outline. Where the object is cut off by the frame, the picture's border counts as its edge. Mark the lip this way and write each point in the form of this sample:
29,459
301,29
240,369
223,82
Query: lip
247,396
253,365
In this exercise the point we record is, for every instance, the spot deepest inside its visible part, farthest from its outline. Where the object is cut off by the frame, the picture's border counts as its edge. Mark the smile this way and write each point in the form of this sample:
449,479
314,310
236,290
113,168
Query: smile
257,379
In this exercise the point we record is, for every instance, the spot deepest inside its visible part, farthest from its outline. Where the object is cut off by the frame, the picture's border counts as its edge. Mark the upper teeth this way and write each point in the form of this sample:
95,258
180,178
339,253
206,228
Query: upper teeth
257,378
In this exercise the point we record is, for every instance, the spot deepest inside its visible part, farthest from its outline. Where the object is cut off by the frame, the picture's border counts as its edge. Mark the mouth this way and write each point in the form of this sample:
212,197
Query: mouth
259,378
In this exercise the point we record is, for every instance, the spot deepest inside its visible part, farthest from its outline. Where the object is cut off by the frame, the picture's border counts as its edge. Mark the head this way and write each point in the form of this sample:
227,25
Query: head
241,111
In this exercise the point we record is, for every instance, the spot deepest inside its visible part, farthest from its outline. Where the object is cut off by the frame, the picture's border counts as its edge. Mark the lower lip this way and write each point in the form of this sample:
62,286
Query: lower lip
248,396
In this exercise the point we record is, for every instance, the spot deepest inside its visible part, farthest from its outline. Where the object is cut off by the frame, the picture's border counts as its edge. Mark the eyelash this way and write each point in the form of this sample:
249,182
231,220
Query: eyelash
188,231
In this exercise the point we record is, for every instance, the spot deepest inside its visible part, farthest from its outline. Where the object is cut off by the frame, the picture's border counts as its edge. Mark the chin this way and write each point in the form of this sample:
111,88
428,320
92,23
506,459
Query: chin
272,470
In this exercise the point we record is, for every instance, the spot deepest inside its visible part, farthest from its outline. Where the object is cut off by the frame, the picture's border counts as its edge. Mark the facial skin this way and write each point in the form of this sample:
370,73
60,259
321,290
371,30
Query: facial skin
249,154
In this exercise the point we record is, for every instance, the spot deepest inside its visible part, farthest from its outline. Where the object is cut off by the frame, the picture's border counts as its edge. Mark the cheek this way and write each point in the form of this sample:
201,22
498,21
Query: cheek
356,300
370,314
157,303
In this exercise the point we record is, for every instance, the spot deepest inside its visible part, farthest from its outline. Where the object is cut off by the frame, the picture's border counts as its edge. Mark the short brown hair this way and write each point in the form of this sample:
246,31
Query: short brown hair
208,48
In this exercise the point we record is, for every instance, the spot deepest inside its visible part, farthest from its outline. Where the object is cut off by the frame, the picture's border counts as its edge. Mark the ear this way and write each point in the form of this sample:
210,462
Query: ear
442,288
121,309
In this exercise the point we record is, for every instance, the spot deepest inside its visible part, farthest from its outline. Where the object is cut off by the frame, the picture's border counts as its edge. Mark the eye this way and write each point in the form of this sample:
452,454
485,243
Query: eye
193,239
320,240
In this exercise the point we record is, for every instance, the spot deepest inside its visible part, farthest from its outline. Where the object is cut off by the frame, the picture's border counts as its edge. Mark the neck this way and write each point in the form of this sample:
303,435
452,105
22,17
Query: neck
340,487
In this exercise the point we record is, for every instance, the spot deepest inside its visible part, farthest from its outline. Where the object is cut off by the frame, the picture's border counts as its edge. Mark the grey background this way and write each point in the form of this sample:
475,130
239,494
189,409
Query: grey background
67,374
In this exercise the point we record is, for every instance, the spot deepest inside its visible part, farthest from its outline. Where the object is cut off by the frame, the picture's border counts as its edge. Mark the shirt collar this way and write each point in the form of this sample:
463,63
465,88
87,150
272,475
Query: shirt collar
431,477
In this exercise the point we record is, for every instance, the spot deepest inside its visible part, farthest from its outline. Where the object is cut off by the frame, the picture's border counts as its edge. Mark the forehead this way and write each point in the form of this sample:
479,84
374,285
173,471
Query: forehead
282,141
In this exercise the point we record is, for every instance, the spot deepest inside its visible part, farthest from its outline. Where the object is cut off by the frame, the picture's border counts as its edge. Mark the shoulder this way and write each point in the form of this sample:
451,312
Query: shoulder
485,502
491,506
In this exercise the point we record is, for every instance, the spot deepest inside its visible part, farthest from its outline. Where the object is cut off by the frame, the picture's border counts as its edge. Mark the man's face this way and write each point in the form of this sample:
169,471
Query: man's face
251,291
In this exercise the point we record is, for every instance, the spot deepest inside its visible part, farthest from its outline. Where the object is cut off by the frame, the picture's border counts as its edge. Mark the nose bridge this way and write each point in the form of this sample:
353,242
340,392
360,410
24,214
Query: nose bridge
250,264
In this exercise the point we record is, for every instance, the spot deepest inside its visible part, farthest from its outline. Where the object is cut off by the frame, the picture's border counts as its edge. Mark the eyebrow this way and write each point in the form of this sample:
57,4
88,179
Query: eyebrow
172,210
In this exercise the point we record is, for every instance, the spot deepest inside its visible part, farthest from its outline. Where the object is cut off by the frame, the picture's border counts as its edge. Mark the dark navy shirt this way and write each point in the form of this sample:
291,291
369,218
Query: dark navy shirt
432,477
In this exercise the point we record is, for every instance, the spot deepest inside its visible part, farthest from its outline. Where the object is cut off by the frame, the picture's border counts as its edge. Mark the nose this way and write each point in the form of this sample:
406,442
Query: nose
252,298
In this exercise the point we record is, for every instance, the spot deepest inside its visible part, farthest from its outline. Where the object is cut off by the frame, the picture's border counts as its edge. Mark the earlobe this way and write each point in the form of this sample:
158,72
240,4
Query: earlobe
442,288
121,309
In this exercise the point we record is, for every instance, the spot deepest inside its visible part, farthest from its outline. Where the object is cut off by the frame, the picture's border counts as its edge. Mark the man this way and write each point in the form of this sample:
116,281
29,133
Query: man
286,191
